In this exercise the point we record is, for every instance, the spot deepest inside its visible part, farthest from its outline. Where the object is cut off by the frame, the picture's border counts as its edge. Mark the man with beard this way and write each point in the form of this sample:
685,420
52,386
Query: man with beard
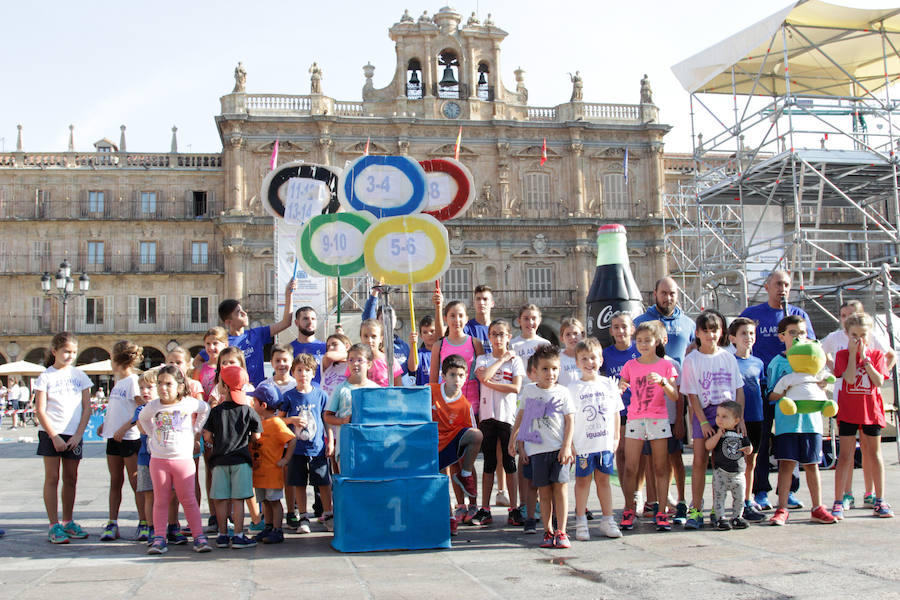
306,319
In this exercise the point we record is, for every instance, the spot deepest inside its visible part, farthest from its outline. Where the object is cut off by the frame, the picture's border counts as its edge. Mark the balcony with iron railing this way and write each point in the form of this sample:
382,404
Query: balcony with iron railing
162,262
33,209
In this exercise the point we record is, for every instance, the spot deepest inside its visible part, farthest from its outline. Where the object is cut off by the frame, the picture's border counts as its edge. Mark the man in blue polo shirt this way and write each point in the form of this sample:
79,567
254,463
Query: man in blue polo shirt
307,320
679,327
768,346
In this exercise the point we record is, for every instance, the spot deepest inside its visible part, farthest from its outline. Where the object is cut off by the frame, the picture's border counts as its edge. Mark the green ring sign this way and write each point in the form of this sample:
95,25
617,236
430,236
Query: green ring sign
331,245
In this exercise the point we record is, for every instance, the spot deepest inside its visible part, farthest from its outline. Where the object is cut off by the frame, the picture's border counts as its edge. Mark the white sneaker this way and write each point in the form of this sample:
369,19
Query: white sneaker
502,498
609,528
304,525
582,533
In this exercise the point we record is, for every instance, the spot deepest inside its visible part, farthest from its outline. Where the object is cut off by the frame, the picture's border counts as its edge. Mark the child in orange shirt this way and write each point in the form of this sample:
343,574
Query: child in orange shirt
269,458
458,437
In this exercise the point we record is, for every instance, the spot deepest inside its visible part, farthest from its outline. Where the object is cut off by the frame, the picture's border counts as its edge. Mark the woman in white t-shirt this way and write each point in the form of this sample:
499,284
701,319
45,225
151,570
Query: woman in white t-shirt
63,407
123,440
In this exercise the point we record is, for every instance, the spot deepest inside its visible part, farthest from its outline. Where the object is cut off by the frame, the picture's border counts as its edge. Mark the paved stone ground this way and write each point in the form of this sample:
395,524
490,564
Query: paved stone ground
854,559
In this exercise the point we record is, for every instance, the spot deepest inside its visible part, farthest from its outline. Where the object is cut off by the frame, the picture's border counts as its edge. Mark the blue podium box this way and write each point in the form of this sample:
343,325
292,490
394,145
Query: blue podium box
403,513
389,450
391,405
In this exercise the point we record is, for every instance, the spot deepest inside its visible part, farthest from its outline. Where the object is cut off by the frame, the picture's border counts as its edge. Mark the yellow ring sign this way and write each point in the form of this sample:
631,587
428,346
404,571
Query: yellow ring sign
407,249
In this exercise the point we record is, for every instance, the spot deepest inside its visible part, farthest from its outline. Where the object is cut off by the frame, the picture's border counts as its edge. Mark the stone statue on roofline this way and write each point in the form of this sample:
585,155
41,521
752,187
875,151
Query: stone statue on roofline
240,78
577,87
315,79
646,92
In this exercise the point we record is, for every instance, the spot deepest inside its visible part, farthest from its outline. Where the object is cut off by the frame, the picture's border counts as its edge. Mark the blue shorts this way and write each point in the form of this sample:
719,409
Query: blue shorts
232,482
451,453
586,464
804,448
306,470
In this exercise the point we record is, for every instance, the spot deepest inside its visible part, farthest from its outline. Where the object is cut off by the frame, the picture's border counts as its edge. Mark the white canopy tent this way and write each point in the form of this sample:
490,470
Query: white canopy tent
832,51
21,367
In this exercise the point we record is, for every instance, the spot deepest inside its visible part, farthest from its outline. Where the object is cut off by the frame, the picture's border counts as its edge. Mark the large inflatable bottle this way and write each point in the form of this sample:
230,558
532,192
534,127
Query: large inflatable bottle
613,289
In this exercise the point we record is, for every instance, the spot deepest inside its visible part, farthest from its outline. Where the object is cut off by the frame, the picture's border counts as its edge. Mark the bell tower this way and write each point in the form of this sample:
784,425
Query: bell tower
445,70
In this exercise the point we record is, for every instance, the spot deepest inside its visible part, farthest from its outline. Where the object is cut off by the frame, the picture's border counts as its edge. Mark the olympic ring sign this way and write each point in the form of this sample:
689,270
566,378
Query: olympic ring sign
386,186
297,191
450,188
407,249
331,245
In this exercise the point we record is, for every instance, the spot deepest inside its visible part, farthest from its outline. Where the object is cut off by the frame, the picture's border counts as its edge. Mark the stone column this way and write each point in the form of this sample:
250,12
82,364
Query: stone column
234,175
234,271
656,179
585,257
578,177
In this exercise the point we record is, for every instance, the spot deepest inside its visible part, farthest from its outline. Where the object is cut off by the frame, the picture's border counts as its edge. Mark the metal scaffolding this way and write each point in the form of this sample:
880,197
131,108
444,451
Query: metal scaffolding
794,159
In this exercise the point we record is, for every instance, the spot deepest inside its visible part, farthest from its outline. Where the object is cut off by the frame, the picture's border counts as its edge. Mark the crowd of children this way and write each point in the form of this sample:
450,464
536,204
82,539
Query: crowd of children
541,414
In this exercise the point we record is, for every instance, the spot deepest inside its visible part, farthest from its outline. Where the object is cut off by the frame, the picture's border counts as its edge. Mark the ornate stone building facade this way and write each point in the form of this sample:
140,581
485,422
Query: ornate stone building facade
530,234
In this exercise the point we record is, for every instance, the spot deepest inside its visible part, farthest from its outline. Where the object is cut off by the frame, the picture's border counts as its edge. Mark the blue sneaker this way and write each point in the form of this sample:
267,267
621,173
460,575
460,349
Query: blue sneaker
837,510
258,527
174,535
201,544
694,519
222,540
110,532
158,546
793,501
74,531
680,513
751,514
239,542
143,532
762,500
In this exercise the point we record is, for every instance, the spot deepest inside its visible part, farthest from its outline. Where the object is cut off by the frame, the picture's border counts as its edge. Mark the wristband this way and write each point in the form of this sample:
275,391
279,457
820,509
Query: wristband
704,423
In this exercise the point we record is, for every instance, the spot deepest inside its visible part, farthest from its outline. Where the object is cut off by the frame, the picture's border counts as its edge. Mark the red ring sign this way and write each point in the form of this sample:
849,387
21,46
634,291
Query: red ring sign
465,188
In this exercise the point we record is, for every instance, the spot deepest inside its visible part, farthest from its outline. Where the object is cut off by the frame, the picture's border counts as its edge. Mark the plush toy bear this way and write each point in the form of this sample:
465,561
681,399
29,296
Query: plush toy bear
806,395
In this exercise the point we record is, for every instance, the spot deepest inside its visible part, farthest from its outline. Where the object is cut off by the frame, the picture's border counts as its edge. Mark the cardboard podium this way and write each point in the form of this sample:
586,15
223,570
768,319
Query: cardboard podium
389,495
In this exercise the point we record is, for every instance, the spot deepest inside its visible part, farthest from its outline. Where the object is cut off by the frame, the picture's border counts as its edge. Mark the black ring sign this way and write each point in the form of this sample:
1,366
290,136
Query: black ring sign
307,171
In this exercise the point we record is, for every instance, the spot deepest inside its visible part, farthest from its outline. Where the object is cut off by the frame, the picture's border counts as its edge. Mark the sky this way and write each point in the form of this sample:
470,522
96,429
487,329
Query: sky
97,64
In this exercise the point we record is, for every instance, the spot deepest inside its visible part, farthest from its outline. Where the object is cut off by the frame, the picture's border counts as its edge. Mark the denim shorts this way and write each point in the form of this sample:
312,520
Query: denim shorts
586,464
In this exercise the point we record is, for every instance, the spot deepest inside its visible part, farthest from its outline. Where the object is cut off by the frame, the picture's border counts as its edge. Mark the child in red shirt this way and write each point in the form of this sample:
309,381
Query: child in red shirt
860,407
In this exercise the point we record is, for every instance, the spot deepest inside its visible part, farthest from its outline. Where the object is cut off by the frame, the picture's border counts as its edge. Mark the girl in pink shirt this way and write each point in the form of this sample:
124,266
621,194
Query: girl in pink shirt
457,341
651,378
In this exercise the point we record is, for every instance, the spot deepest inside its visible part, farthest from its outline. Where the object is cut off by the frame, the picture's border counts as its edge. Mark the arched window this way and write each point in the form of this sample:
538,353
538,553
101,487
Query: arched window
537,192
615,196
484,88
448,67
413,79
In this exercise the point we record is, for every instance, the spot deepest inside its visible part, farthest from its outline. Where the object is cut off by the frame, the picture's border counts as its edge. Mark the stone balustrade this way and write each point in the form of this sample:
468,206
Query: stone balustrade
110,160
262,103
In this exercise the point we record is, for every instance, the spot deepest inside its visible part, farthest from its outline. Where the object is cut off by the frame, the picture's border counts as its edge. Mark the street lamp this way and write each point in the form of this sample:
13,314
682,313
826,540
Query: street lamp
65,286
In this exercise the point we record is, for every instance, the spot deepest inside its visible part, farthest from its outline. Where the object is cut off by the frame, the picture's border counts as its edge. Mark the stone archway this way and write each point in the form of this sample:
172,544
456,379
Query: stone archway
91,355
36,355
152,357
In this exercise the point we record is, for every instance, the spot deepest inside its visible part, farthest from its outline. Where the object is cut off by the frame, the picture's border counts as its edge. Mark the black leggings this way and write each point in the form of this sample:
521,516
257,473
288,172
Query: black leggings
493,431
